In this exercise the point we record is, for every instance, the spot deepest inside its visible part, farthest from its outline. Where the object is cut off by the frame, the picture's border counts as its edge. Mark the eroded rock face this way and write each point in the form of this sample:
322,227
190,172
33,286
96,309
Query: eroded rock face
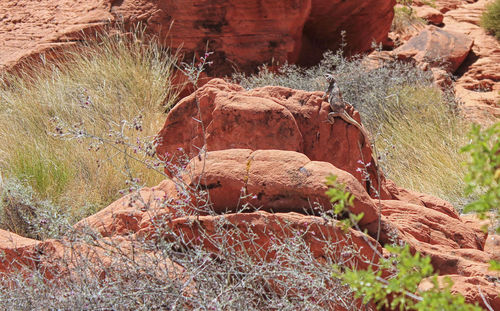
437,47
28,28
266,118
478,85
472,288
275,180
431,15
259,185
477,82
244,34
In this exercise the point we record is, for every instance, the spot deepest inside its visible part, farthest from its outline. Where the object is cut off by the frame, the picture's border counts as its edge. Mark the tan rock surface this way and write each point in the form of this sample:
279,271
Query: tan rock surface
478,84
472,288
431,15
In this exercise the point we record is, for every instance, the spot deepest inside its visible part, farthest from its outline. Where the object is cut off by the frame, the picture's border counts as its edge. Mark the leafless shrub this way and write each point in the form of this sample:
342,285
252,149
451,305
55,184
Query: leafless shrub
171,271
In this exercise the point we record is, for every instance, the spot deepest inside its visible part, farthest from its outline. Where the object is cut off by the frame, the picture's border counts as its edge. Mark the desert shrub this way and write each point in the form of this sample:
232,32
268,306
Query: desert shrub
405,19
139,273
24,213
400,290
107,79
404,271
490,19
415,126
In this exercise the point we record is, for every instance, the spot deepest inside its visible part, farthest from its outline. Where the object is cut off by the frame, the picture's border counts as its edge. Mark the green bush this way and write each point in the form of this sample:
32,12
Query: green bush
400,289
484,171
490,19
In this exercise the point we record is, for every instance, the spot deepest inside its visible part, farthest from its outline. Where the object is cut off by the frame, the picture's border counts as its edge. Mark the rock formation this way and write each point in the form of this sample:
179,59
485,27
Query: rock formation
271,187
257,118
254,163
475,65
243,34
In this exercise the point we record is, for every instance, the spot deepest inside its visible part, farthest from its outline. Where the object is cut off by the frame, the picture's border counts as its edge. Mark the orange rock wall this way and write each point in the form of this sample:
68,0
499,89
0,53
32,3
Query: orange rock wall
243,34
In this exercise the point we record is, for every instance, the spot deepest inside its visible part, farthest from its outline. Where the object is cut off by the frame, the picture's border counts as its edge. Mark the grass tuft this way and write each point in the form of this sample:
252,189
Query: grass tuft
417,130
405,20
490,20
98,84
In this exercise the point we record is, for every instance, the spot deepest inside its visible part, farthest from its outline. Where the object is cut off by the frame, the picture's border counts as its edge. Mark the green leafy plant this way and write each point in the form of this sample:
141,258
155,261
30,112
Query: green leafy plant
342,200
406,271
400,290
484,170
484,173
490,19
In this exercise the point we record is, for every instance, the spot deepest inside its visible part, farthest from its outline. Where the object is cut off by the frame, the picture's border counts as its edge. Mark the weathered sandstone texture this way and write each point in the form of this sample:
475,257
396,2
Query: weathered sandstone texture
437,47
266,118
243,34
271,187
475,66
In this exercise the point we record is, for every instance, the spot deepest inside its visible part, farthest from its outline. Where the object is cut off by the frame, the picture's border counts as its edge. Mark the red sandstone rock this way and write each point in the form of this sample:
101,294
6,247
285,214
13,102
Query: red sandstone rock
478,84
64,259
429,14
437,48
364,22
472,288
421,199
276,180
492,246
442,5
16,251
430,226
265,118
255,233
28,28
269,180
244,34
123,216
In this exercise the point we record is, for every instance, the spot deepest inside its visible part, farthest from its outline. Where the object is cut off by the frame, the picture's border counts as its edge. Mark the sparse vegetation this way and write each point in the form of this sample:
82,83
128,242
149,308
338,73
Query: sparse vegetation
122,86
99,84
484,172
238,272
24,213
490,19
416,127
405,19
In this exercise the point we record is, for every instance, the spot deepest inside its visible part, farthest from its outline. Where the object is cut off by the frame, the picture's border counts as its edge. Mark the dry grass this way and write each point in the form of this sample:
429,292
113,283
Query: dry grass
490,20
417,131
240,272
99,85
405,20
420,143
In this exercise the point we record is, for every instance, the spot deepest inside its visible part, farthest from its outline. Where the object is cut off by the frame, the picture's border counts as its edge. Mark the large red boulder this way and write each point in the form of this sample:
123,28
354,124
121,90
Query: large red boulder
234,180
274,180
242,33
267,118
437,47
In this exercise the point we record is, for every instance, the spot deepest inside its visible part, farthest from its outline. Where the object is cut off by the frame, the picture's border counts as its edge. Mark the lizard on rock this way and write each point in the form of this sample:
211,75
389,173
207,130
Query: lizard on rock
338,106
